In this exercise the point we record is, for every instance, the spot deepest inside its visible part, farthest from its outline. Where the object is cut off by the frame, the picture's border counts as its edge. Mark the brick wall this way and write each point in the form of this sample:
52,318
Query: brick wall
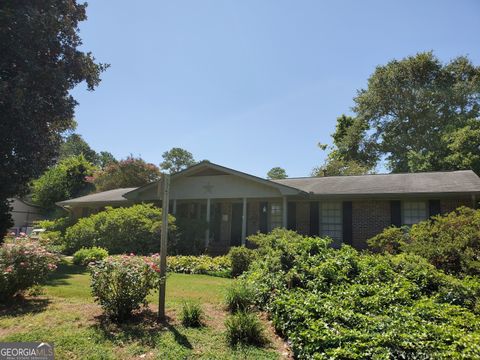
448,205
252,217
368,219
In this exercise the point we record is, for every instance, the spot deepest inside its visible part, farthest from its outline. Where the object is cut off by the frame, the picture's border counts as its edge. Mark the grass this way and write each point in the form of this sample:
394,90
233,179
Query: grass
66,316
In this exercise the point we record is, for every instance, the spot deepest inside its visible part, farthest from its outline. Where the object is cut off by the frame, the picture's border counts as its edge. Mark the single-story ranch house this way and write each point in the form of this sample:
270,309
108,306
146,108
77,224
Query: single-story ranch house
349,209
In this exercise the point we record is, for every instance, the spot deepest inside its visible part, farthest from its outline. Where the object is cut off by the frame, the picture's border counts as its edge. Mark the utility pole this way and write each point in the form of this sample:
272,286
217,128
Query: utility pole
163,246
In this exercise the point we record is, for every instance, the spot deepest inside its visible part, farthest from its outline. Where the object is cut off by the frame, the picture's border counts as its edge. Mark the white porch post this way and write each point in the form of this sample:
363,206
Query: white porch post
174,208
207,232
285,212
244,221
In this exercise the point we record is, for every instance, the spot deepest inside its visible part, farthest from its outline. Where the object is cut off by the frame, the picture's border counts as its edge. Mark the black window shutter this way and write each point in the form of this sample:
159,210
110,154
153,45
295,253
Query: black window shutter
263,214
314,224
434,207
347,222
292,215
396,213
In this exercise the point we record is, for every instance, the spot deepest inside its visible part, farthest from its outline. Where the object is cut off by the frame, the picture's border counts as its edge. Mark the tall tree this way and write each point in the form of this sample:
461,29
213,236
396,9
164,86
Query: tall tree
131,172
74,145
277,173
40,62
67,179
416,109
176,159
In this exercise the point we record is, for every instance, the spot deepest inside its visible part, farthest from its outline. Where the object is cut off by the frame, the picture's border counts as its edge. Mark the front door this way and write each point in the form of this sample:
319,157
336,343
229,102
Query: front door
236,228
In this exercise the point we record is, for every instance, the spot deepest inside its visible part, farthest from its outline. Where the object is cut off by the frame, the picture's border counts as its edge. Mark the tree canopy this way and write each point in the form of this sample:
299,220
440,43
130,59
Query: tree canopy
75,145
176,159
40,62
417,114
131,172
277,173
66,180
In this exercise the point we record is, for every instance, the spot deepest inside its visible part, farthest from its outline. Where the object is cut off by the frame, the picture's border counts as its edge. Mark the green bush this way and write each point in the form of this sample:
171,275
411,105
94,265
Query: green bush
343,304
389,240
217,266
121,284
450,242
190,239
239,297
241,258
23,264
192,314
119,230
244,328
85,256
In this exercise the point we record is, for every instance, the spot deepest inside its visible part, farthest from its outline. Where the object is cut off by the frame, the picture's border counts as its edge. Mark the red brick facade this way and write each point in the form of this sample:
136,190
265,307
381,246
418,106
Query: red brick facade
369,218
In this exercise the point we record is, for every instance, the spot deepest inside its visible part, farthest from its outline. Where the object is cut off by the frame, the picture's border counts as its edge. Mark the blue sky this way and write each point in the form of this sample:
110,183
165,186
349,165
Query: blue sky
249,84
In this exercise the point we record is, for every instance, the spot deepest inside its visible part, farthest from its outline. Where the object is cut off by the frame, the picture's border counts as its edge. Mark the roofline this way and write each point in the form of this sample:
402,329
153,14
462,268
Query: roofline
377,174
221,168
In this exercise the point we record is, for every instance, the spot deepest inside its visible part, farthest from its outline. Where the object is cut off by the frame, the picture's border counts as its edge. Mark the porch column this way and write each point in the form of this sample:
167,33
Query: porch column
207,232
244,221
285,212
174,207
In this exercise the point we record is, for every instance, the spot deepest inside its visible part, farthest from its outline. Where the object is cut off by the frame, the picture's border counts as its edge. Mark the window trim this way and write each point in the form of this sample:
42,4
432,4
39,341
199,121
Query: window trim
402,208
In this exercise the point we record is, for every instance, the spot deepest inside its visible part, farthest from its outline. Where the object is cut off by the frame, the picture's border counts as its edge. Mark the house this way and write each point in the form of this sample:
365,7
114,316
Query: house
24,215
349,209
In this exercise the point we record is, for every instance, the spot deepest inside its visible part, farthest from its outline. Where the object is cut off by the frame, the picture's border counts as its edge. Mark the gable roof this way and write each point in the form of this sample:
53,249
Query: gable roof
200,170
102,198
441,182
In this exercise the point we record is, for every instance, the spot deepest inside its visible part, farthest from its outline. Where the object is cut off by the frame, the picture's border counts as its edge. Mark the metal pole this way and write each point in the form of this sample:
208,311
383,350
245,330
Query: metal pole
163,246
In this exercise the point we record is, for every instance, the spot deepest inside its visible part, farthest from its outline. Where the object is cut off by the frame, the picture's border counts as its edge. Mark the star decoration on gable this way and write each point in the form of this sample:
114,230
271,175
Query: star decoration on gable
208,188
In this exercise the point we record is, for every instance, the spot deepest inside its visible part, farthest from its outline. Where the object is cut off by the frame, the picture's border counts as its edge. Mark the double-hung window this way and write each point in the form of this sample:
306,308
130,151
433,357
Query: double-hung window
414,212
331,221
275,215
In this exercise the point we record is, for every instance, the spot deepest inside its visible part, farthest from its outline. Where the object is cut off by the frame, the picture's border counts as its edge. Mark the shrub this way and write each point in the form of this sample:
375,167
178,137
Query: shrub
389,240
119,230
121,284
239,297
192,314
85,256
450,242
244,328
217,266
190,239
345,304
241,257
23,264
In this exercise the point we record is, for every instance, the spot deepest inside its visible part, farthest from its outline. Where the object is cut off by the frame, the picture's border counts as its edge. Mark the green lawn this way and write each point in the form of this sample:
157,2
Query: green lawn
67,316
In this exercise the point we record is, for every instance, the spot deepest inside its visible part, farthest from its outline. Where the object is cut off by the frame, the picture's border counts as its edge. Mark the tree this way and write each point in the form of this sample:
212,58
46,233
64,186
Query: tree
334,166
176,159
416,109
131,172
74,145
40,62
66,180
105,158
277,173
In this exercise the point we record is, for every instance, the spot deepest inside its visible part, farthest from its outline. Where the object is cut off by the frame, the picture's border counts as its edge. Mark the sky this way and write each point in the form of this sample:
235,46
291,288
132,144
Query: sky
249,84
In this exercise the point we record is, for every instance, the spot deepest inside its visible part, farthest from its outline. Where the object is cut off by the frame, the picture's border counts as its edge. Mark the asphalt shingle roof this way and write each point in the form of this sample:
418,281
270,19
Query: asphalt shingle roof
110,196
464,181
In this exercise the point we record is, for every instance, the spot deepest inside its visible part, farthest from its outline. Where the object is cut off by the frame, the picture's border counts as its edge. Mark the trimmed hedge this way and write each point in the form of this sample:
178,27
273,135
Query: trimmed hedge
203,264
134,229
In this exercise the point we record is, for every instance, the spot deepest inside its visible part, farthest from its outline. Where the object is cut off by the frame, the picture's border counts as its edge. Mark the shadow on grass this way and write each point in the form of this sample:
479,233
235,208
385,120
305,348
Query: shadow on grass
142,327
22,306
65,271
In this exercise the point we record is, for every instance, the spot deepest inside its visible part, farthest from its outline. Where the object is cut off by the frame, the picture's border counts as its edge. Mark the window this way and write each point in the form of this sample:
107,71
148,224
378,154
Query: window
331,223
275,215
414,212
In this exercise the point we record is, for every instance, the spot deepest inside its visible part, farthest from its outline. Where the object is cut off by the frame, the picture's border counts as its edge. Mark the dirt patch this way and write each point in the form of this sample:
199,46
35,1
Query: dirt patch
276,342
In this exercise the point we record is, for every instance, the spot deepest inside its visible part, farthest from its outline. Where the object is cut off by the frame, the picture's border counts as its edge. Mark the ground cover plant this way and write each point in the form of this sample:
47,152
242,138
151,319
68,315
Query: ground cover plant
203,264
67,316
451,242
342,304
85,256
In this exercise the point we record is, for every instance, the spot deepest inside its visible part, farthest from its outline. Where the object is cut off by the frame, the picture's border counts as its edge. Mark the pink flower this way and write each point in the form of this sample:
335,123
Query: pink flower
9,269
52,266
132,254
12,233
22,234
22,264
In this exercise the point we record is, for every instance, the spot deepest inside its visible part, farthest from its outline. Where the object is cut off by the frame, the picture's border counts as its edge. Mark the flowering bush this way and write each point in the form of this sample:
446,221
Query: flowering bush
23,264
121,283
